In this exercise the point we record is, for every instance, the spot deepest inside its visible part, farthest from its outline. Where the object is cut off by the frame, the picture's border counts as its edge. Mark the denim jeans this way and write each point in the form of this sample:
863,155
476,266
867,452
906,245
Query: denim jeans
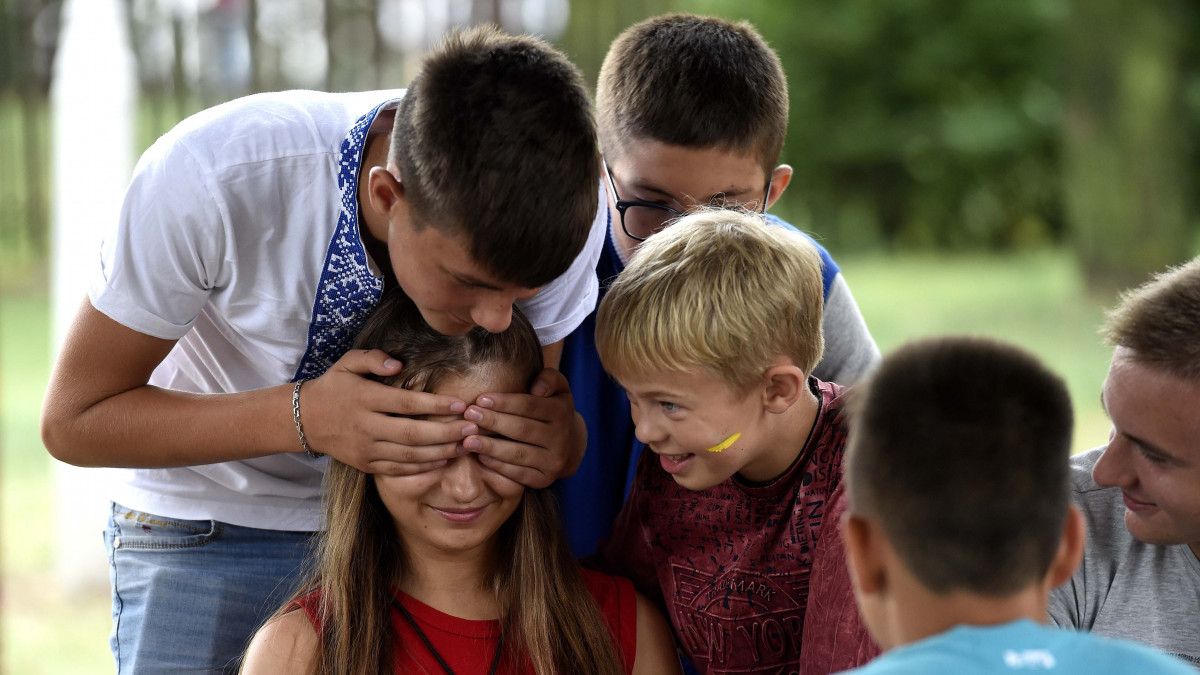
189,594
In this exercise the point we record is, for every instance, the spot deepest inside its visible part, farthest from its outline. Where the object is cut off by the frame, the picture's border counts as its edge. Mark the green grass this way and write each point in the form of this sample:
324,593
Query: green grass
42,630
1033,300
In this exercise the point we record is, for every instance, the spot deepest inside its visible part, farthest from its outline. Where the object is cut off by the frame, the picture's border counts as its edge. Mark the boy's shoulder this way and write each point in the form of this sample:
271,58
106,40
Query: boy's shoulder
273,125
1021,646
829,267
832,426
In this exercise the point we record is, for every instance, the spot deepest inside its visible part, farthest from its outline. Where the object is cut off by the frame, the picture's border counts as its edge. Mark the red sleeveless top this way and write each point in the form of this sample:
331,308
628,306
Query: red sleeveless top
469,646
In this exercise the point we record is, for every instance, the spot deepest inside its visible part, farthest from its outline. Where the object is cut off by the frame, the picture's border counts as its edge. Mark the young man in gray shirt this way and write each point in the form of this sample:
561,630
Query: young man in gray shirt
1140,577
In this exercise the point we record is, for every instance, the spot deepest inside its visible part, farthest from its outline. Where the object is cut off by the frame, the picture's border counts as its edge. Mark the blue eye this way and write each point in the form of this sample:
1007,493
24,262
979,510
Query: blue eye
668,406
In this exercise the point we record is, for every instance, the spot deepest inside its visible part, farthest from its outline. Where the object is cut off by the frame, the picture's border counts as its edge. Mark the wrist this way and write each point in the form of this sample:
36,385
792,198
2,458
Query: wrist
296,418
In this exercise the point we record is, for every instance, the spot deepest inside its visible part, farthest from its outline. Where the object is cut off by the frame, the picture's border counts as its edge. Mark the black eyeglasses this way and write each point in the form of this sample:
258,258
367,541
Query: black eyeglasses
640,219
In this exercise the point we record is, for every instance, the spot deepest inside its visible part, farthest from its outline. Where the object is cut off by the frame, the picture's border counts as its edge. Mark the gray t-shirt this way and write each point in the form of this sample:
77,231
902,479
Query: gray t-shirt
1126,588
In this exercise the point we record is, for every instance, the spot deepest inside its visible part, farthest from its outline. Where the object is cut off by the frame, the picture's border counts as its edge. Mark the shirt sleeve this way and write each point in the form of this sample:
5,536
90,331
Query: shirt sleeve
850,351
1074,603
160,262
1063,607
563,304
834,637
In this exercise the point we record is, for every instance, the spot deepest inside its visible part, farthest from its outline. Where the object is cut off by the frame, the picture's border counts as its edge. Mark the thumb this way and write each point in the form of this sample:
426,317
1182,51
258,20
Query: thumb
368,362
548,383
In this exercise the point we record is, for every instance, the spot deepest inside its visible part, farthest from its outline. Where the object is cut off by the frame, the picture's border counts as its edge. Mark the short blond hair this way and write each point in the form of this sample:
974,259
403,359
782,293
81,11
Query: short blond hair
1160,321
719,290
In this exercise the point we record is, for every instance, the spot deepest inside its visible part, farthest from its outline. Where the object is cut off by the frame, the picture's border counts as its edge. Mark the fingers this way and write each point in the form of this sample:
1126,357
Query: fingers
524,428
407,432
491,407
385,467
396,401
404,460
549,382
536,442
549,399
368,362
375,396
511,460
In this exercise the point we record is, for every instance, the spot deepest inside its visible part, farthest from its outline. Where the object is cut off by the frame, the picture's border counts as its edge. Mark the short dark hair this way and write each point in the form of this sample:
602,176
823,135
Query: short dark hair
694,81
496,142
1160,321
397,327
960,448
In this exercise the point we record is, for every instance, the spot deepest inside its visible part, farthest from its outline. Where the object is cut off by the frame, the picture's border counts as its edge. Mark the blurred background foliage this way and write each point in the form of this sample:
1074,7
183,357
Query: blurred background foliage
989,125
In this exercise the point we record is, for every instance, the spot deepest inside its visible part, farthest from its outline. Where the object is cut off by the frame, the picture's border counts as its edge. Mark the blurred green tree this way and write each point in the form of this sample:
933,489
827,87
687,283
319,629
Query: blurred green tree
1129,163
920,124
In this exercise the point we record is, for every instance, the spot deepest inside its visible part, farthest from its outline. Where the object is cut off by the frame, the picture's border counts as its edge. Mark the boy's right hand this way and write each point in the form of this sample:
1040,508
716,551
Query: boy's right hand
369,425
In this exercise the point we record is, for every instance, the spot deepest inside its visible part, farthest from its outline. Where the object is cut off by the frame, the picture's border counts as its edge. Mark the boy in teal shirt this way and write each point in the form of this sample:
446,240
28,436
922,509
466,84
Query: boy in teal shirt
959,519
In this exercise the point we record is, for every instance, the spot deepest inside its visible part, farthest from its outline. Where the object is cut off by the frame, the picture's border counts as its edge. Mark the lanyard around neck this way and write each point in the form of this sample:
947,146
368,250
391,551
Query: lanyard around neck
429,645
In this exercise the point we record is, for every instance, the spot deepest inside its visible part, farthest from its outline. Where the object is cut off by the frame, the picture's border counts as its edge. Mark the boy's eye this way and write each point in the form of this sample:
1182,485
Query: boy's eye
1152,457
669,407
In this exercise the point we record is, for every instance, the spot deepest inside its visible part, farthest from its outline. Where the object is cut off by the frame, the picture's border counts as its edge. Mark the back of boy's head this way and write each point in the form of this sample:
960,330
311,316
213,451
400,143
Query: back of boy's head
720,290
398,328
693,81
496,142
959,448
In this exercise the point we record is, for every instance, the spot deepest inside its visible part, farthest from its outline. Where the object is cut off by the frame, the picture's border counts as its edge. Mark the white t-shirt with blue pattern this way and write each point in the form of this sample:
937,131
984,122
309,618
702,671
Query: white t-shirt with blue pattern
239,238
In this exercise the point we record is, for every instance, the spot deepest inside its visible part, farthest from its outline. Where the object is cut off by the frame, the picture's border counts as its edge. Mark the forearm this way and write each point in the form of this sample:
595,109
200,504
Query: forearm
150,427
100,411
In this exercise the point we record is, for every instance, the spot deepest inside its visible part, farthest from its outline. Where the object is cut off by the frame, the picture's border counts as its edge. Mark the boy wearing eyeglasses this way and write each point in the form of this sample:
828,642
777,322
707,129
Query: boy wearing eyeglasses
692,111
731,525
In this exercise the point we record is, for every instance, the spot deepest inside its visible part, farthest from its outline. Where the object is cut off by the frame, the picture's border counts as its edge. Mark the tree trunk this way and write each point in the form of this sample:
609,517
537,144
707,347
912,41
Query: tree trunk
1124,162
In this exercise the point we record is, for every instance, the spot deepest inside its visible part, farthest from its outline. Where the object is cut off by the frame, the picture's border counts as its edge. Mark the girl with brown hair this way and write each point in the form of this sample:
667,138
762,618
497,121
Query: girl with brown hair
458,570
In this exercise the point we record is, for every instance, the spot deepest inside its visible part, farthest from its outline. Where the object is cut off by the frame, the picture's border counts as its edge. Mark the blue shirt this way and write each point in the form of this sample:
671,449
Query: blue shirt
1022,647
591,498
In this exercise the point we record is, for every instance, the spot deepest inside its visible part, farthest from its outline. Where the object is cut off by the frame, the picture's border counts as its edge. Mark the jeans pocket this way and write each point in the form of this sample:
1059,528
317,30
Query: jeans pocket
137,530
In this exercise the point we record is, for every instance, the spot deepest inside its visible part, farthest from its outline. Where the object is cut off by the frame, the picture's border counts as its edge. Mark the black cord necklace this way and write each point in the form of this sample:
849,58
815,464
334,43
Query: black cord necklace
429,645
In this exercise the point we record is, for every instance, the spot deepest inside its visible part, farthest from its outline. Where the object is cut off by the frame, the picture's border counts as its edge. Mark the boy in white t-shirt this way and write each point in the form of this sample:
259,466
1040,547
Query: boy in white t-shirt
254,240
960,521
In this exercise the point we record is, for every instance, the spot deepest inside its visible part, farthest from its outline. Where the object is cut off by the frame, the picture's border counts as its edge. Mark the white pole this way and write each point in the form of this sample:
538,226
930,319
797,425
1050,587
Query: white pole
93,106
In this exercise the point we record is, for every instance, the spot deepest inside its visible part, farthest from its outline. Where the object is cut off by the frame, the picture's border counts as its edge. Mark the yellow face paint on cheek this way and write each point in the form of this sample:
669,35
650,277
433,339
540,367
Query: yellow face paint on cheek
725,443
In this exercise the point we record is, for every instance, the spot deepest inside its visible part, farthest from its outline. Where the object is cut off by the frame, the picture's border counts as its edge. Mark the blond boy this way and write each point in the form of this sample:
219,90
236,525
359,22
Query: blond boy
713,330
691,112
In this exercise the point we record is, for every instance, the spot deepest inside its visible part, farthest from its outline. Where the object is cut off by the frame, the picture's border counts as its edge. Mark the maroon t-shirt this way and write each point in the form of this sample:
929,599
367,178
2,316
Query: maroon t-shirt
733,565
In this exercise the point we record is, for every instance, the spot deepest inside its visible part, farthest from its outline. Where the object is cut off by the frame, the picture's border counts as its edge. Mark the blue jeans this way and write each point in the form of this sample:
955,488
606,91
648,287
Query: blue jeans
189,594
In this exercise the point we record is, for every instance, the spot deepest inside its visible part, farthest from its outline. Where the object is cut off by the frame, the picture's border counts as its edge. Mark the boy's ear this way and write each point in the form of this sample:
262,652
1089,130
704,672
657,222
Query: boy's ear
1070,549
864,554
780,178
384,190
785,384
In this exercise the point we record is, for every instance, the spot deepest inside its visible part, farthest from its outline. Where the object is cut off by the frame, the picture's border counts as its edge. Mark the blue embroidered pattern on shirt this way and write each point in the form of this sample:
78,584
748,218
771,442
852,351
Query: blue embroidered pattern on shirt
347,292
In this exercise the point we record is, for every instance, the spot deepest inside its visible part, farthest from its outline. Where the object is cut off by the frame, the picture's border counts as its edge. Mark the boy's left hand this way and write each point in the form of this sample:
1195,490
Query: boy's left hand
543,438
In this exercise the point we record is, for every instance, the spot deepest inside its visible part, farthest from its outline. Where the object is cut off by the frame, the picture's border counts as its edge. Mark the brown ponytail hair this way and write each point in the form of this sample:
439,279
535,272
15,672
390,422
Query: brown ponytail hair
551,616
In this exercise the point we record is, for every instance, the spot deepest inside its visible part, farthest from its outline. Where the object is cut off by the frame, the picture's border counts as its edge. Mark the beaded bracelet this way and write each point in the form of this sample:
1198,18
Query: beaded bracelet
296,418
